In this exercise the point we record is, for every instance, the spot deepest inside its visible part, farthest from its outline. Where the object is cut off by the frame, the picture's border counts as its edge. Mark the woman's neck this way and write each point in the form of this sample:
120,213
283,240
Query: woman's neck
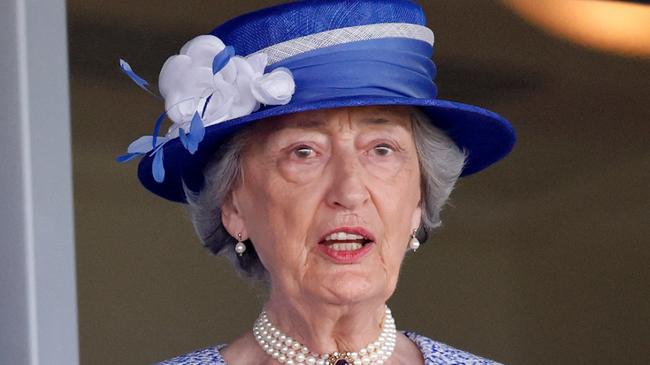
326,327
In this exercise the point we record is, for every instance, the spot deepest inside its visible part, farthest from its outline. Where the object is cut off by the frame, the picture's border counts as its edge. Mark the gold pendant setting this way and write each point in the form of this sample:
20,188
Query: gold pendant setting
340,359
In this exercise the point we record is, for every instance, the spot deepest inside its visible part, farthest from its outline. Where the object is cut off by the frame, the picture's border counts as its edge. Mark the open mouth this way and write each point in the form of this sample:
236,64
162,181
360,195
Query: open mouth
345,240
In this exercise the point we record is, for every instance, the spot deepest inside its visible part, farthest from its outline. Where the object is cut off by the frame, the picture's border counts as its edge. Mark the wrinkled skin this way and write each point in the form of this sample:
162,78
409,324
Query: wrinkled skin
306,175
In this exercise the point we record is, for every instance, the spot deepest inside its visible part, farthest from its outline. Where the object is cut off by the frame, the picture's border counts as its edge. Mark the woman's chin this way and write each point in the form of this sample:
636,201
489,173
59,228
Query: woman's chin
349,285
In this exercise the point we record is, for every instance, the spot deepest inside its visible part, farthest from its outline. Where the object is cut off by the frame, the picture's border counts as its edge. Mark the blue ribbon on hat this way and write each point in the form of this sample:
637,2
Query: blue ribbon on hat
399,67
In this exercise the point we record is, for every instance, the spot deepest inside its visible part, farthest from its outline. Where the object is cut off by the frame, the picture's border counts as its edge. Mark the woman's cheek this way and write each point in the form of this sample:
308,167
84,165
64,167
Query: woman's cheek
385,167
301,172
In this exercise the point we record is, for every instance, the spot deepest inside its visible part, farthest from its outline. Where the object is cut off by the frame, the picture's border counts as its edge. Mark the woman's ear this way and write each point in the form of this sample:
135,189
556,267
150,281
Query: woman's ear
232,218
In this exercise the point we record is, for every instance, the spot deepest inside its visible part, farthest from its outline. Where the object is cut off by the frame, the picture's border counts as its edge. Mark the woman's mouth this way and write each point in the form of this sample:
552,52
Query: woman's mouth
346,245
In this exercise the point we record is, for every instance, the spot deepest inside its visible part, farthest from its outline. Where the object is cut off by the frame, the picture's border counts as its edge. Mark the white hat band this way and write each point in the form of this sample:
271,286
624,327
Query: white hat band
281,51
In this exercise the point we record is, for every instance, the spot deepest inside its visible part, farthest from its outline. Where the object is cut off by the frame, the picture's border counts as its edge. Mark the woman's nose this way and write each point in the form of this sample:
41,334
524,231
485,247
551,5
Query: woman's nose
348,188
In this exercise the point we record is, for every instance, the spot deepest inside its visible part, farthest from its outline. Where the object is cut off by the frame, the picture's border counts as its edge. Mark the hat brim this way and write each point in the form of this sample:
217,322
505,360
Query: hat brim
485,136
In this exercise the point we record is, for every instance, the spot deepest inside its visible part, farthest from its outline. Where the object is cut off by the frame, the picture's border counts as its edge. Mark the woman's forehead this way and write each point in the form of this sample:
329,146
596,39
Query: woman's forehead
372,115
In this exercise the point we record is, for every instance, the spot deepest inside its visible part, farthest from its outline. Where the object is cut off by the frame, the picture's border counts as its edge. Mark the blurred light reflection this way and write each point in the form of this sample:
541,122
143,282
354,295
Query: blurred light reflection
613,26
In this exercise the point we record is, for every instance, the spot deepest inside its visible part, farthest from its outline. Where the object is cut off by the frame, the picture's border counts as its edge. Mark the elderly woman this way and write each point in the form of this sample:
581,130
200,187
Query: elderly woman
311,150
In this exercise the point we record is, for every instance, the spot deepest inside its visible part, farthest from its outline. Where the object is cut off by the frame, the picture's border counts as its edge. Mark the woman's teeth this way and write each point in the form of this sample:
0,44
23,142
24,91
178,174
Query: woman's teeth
343,236
342,241
345,246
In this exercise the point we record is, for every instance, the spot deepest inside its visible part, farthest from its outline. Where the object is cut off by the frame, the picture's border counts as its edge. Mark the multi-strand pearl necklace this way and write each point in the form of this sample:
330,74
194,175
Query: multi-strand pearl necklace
288,351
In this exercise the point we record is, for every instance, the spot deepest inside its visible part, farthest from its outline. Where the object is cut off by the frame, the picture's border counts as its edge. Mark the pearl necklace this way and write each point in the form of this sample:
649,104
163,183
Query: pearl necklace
288,351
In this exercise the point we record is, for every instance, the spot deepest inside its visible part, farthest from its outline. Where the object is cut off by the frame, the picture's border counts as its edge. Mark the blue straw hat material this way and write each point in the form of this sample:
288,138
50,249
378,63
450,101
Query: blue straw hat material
296,57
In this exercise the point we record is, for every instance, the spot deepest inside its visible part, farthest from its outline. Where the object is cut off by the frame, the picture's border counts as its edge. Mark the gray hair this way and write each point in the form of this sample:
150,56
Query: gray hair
441,162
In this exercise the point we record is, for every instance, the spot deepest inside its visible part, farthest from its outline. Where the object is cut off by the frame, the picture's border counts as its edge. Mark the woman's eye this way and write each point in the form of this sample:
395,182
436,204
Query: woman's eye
383,150
304,152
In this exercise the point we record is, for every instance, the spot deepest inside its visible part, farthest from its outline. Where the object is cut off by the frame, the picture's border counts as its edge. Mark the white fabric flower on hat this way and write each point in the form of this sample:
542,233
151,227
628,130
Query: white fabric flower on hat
189,85
275,88
206,84
187,78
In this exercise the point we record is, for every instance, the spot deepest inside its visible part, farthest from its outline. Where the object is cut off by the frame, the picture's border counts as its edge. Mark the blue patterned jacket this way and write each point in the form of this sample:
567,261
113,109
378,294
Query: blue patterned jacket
433,352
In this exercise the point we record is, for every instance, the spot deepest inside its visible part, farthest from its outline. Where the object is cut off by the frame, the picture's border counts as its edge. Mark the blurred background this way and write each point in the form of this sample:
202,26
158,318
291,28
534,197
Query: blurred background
542,259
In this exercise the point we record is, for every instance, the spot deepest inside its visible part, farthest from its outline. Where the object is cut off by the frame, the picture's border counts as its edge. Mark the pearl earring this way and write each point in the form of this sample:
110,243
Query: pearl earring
240,247
414,243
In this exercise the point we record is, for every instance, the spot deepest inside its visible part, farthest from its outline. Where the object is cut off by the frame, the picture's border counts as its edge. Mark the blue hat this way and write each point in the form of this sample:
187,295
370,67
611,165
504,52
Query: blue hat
300,56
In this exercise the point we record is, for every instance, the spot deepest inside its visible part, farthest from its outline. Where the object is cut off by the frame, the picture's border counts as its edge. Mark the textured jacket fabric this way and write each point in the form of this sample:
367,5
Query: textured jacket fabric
433,352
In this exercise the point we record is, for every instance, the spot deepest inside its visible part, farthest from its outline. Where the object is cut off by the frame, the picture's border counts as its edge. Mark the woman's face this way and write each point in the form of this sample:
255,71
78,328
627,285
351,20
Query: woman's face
329,199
